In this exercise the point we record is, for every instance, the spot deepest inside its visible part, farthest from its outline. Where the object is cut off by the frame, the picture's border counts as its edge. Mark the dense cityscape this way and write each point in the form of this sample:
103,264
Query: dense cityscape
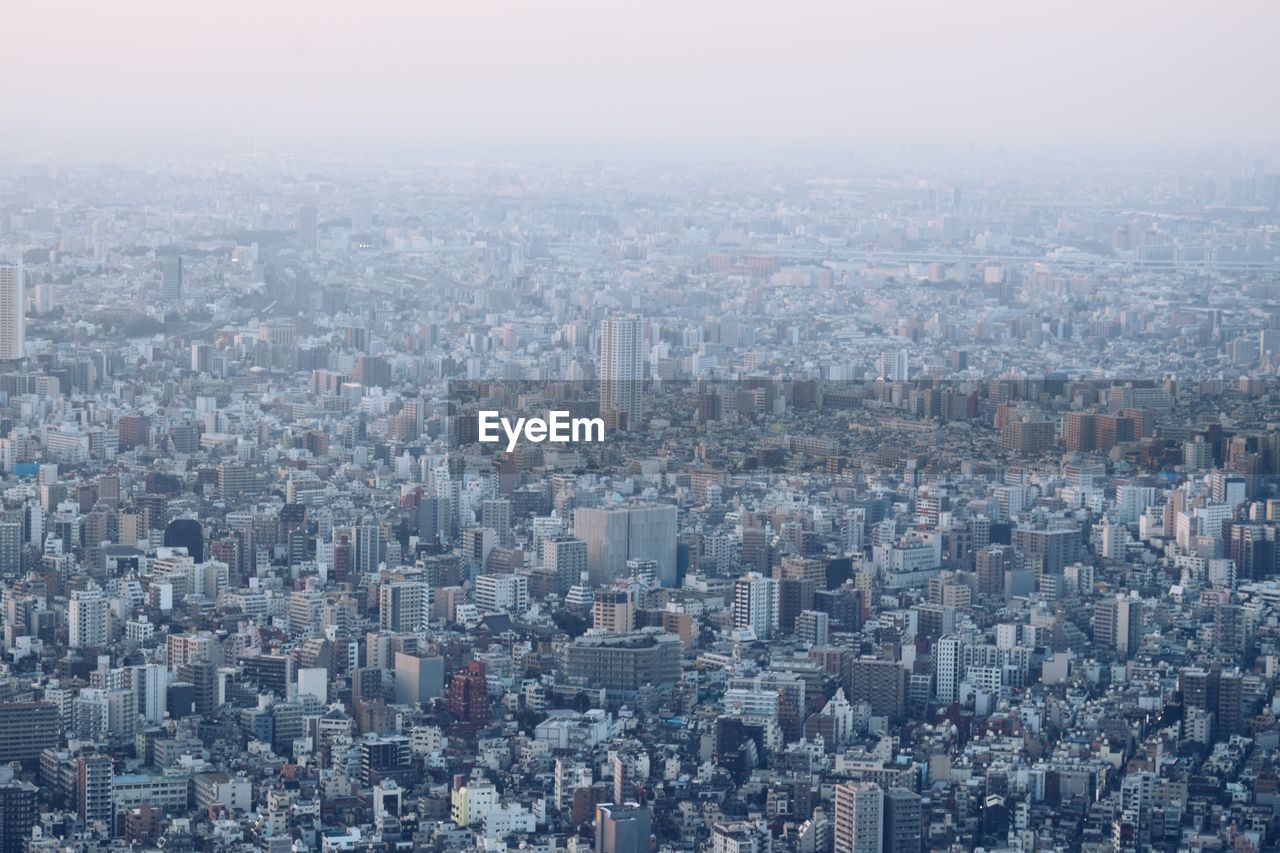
936,507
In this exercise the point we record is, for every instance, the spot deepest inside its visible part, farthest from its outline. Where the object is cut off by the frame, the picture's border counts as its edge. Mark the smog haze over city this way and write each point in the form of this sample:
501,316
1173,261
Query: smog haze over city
699,427
709,77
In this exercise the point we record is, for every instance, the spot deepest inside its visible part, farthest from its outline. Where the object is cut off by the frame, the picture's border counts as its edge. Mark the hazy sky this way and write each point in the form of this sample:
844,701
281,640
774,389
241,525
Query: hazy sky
391,75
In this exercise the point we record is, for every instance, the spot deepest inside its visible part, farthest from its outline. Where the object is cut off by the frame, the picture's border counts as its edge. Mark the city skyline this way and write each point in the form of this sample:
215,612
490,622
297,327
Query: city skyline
597,428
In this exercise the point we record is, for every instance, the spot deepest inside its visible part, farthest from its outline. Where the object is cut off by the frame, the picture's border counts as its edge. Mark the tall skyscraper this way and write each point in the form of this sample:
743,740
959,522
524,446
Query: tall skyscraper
13,324
859,818
361,216
171,278
622,369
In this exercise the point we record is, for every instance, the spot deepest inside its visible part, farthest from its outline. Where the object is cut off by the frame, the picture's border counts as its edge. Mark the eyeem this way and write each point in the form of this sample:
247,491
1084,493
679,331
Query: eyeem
558,427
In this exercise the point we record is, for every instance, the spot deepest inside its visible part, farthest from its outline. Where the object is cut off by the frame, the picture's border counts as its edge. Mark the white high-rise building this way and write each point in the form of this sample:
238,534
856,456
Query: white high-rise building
502,594
87,619
947,663
1137,800
13,324
895,366
155,682
755,605
1132,501
853,527
622,367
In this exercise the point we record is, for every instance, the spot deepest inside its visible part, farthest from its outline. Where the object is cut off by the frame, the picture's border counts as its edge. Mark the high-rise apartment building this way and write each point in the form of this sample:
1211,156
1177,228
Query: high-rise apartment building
171,278
11,547
87,619
895,366
622,369
13,323
468,695
992,563
947,666
366,553
404,606
495,513
880,683
94,777
567,558
859,818
756,605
